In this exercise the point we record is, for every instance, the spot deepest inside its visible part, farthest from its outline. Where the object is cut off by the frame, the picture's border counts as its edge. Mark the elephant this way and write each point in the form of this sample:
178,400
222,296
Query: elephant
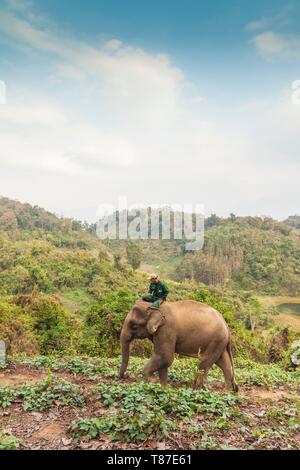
185,327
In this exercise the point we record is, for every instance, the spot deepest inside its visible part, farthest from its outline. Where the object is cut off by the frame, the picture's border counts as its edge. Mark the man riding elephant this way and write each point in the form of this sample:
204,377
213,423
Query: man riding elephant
158,292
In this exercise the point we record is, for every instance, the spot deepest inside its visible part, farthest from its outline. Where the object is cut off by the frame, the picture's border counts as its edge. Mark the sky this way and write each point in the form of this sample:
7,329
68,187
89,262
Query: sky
182,102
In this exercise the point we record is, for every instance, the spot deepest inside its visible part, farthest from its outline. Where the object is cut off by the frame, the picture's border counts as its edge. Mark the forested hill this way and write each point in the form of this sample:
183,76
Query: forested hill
257,254
22,221
293,221
63,290
42,251
253,253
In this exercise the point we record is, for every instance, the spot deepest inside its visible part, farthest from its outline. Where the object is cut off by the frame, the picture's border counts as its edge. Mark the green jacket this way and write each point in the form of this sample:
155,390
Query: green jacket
159,290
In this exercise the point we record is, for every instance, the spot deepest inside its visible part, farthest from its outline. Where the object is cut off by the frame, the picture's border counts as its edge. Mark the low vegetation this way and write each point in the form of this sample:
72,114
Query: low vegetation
92,409
43,395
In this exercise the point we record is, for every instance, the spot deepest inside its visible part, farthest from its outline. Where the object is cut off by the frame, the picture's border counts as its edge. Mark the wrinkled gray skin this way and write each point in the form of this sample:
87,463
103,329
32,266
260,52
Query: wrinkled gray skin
186,327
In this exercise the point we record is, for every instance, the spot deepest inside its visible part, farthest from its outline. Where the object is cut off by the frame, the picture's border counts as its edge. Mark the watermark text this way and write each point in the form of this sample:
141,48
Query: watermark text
295,92
155,222
2,92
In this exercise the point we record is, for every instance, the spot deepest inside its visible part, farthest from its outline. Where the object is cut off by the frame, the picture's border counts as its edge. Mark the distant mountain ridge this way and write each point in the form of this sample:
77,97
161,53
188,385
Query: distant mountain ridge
252,253
40,250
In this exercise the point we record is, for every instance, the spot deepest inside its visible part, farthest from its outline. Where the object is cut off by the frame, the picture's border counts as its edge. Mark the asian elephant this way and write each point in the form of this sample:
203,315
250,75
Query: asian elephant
185,327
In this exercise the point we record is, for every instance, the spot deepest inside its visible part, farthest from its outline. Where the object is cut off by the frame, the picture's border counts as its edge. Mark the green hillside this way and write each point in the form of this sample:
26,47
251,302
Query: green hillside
293,221
62,290
255,254
53,275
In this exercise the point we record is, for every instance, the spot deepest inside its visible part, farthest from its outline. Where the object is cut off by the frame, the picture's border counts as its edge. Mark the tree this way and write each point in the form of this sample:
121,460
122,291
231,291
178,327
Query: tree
133,254
212,220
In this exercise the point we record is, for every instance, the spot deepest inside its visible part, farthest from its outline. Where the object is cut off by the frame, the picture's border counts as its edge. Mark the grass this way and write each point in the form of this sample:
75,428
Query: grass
273,301
75,300
282,319
265,375
287,320
164,268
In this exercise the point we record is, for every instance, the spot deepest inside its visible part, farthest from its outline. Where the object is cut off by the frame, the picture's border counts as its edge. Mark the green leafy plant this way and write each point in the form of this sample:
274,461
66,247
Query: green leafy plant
8,442
76,365
136,426
43,395
179,402
207,442
7,396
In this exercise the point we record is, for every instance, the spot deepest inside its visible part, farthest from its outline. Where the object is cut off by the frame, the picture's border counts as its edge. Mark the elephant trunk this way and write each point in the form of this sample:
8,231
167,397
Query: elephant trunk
125,344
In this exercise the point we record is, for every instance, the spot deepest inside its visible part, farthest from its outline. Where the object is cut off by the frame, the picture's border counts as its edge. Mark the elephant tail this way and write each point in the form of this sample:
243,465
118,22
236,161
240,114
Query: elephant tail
229,350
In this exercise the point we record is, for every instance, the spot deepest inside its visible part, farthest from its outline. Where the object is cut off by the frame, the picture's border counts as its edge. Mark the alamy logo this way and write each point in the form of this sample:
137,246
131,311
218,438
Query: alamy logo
296,92
2,353
2,92
175,222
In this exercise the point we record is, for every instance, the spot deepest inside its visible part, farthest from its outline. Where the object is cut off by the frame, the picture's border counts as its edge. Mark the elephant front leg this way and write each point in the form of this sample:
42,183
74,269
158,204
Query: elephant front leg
201,378
151,366
160,364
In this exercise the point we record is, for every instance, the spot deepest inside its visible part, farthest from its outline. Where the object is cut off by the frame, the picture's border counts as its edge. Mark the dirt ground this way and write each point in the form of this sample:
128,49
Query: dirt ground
51,429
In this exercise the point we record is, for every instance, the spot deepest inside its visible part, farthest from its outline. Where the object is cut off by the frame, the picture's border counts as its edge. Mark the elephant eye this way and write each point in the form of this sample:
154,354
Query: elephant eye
134,326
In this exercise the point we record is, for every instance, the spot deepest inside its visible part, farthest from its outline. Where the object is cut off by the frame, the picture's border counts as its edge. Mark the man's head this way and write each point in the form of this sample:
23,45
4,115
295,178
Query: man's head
153,279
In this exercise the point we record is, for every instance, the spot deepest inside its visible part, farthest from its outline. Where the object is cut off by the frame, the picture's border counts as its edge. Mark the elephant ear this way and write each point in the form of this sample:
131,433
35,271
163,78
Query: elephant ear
155,321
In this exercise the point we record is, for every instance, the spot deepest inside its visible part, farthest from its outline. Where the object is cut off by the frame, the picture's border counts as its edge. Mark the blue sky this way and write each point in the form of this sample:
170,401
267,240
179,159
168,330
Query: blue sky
164,102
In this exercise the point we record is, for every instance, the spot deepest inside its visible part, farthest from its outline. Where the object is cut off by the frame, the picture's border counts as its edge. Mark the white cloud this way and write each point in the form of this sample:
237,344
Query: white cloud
281,19
126,121
262,23
70,72
43,137
39,114
139,89
148,85
19,5
270,44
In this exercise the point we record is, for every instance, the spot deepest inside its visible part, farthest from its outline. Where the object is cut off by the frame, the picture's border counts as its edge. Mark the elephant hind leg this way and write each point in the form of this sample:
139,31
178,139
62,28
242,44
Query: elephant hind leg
225,364
207,359
163,376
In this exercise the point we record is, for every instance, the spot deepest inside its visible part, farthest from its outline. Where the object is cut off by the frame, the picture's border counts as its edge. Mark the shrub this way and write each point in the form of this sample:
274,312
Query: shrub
55,328
106,317
16,329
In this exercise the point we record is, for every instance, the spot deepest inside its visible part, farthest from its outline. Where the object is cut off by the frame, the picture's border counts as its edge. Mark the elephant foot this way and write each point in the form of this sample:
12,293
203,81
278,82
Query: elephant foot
152,380
231,387
164,384
198,385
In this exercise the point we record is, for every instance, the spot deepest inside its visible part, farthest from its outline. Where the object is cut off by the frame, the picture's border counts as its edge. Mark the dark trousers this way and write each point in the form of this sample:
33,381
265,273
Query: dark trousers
156,301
